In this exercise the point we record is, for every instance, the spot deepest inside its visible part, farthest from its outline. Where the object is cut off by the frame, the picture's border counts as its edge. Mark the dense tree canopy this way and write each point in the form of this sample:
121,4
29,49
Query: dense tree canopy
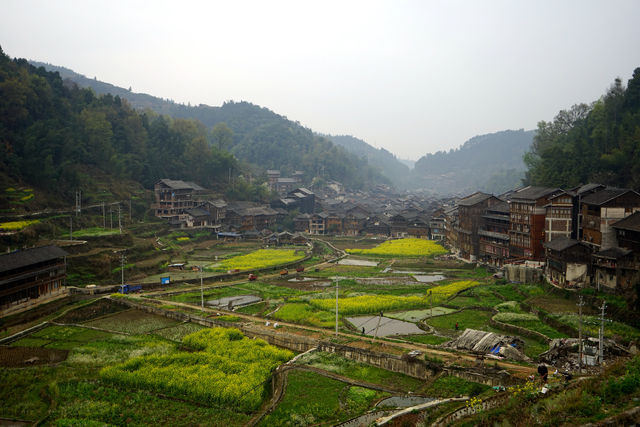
258,136
52,133
591,143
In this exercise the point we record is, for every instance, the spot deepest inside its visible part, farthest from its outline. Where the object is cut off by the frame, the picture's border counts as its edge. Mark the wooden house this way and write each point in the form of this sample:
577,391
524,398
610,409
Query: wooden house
494,235
30,276
173,198
470,211
436,225
301,223
615,269
602,209
527,221
567,262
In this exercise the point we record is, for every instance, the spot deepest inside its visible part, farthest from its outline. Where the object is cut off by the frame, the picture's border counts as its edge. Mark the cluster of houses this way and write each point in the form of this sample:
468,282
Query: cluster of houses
585,236
186,205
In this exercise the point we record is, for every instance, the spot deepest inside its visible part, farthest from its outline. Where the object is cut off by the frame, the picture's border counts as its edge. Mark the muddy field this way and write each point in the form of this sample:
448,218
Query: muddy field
97,309
21,357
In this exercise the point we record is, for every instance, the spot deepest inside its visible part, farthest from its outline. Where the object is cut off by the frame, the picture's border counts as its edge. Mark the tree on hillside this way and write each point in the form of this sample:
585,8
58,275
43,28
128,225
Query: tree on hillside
596,143
222,136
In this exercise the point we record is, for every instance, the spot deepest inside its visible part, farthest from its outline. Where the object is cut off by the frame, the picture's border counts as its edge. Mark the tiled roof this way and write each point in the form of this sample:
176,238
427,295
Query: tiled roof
533,193
613,253
474,199
560,244
26,257
603,196
181,185
197,212
632,222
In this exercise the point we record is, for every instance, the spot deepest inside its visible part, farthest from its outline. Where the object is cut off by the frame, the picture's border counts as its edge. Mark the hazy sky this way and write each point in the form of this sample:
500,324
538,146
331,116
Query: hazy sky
410,76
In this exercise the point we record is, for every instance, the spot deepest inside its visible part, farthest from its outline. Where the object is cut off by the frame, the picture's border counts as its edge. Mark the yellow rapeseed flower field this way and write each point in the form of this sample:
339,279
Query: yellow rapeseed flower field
260,259
366,304
17,225
403,247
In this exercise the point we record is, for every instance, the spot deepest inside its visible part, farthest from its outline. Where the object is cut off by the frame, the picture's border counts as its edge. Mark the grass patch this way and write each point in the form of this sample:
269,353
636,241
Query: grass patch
450,386
176,333
304,314
473,319
591,326
360,371
529,321
254,309
312,399
481,296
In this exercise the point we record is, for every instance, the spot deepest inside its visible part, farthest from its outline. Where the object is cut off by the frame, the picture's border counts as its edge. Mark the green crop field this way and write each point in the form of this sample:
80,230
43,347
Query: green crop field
312,399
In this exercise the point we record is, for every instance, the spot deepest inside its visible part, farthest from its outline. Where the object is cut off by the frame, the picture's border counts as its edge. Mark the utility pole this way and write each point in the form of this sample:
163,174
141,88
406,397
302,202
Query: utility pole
111,217
104,218
601,337
122,269
580,304
375,335
71,227
119,219
78,202
130,221
337,281
201,289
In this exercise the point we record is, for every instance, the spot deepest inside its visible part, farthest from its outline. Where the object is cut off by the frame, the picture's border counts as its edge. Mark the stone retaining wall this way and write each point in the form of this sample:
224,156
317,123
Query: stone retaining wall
489,403
413,367
21,334
490,379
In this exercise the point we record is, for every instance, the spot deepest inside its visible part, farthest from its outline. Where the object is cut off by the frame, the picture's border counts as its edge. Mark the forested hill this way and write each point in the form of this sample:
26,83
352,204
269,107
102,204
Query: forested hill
591,143
391,167
260,136
60,139
491,163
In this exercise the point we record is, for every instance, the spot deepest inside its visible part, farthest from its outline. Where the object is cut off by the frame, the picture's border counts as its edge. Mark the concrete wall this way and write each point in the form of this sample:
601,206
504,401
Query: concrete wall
576,272
522,274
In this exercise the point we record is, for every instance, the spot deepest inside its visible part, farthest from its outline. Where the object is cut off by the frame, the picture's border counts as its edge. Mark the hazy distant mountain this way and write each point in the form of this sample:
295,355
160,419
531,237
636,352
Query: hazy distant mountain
491,163
260,136
390,166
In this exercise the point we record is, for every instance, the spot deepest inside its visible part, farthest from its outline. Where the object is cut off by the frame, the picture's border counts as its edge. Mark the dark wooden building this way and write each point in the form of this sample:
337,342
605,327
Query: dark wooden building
470,211
494,235
602,209
527,221
30,275
567,261
173,198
